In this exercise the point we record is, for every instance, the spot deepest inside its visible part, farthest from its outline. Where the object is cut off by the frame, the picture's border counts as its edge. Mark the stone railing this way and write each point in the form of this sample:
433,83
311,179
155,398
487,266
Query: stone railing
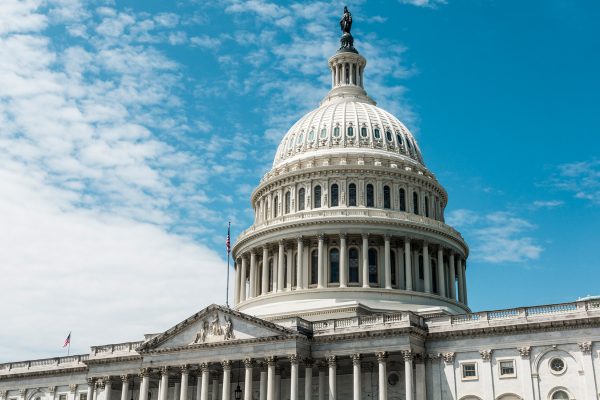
365,322
350,212
45,363
579,309
116,348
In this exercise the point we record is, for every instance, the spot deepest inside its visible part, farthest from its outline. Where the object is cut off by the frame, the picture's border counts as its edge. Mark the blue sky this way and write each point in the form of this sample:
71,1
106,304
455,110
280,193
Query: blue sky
131,131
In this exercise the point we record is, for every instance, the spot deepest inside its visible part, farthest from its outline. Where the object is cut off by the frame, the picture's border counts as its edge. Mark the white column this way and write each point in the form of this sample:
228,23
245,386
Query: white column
124,386
92,384
263,385
426,268
407,264
465,296
290,269
198,386
308,371
365,261
264,287
252,274
525,367
215,389
183,394
281,266
332,377
387,262
382,363
271,378
343,262
461,282
226,380
294,377
449,375
164,383
243,279
408,374
421,379
248,379
588,369
107,388
452,277
144,385
236,290
441,272
204,371
321,262
322,383
487,380
356,377
299,281
176,391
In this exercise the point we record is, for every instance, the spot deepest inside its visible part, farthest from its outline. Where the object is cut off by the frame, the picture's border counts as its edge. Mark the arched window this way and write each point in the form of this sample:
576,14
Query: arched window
415,203
301,196
370,196
402,196
314,267
311,135
287,202
427,206
377,133
399,139
336,132
334,195
317,197
352,195
350,131
434,279
323,134
363,132
387,201
270,276
334,266
285,270
299,139
560,395
393,267
275,206
388,136
353,265
373,278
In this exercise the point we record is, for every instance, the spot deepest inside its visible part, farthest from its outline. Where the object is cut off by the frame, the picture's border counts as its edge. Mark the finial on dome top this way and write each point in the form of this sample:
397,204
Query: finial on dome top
346,40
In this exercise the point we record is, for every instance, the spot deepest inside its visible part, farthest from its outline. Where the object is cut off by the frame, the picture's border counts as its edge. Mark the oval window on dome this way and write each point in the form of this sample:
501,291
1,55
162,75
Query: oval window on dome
290,143
311,135
377,133
388,136
323,133
363,132
408,144
399,139
299,139
336,131
350,131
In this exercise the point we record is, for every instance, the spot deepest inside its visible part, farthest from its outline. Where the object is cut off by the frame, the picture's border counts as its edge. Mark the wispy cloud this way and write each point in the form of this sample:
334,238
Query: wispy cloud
581,179
498,237
424,3
548,204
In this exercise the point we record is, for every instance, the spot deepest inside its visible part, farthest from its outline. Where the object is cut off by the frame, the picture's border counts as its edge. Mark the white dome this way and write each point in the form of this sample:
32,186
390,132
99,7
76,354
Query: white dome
345,125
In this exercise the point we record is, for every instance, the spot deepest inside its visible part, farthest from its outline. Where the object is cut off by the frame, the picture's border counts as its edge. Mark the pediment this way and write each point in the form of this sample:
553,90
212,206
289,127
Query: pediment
214,325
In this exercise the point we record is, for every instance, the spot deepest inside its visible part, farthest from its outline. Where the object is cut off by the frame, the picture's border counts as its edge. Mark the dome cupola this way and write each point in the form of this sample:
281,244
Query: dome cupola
349,220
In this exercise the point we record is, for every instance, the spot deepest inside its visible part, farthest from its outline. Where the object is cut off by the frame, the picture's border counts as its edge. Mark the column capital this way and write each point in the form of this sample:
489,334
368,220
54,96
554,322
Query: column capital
271,360
51,389
101,384
321,236
184,369
90,381
124,378
343,235
585,347
486,355
448,357
433,356
381,356
248,362
163,371
308,362
294,359
365,236
281,242
331,361
387,237
226,365
356,358
3,392
408,355
22,392
300,239
524,351
73,387
204,367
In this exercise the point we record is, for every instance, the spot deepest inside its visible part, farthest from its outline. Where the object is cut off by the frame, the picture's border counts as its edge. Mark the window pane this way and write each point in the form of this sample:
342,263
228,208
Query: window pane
334,195
370,196
317,197
507,368
314,267
363,132
402,200
287,202
415,203
393,267
334,266
387,203
373,266
336,131
469,370
301,194
350,132
426,206
353,265
275,206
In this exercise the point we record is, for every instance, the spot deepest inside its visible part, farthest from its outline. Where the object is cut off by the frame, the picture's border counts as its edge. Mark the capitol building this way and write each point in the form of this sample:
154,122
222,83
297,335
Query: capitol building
348,285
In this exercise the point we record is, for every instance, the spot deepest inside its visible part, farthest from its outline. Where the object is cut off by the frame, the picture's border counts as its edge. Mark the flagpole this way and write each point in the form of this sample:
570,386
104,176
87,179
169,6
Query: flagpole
228,253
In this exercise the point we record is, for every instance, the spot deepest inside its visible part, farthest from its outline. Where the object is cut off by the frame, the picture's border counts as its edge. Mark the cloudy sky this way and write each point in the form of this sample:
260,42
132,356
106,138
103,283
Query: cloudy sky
132,131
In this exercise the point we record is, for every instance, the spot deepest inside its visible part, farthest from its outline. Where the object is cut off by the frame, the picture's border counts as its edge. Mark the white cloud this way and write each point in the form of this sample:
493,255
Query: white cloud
582,179
547,203
498,237
424,3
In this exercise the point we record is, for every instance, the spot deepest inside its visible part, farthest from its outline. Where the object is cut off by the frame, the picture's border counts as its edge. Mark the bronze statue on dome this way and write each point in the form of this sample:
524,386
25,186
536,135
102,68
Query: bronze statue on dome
346,21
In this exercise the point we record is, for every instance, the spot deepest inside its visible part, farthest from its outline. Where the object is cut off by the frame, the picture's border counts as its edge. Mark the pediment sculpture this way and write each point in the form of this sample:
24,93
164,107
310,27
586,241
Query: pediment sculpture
211,329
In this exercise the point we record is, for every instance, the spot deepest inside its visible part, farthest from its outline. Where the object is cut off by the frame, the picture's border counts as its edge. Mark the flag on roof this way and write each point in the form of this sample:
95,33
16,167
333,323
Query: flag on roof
228,241
67,340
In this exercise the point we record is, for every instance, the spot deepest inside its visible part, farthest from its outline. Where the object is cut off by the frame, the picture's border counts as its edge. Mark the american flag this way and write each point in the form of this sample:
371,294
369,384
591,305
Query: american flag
67,340
228,241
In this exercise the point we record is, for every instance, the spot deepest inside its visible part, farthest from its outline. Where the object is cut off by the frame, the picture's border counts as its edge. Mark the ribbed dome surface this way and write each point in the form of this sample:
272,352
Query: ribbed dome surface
348,126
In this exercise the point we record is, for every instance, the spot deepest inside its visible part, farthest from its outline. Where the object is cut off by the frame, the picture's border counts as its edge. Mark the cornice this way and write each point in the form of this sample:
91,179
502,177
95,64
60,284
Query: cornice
363,334
51,372
118,359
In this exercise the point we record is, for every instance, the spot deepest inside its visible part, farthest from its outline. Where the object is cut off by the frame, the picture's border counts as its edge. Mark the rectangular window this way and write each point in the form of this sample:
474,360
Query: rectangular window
62,397
507,368
82,396
469,371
